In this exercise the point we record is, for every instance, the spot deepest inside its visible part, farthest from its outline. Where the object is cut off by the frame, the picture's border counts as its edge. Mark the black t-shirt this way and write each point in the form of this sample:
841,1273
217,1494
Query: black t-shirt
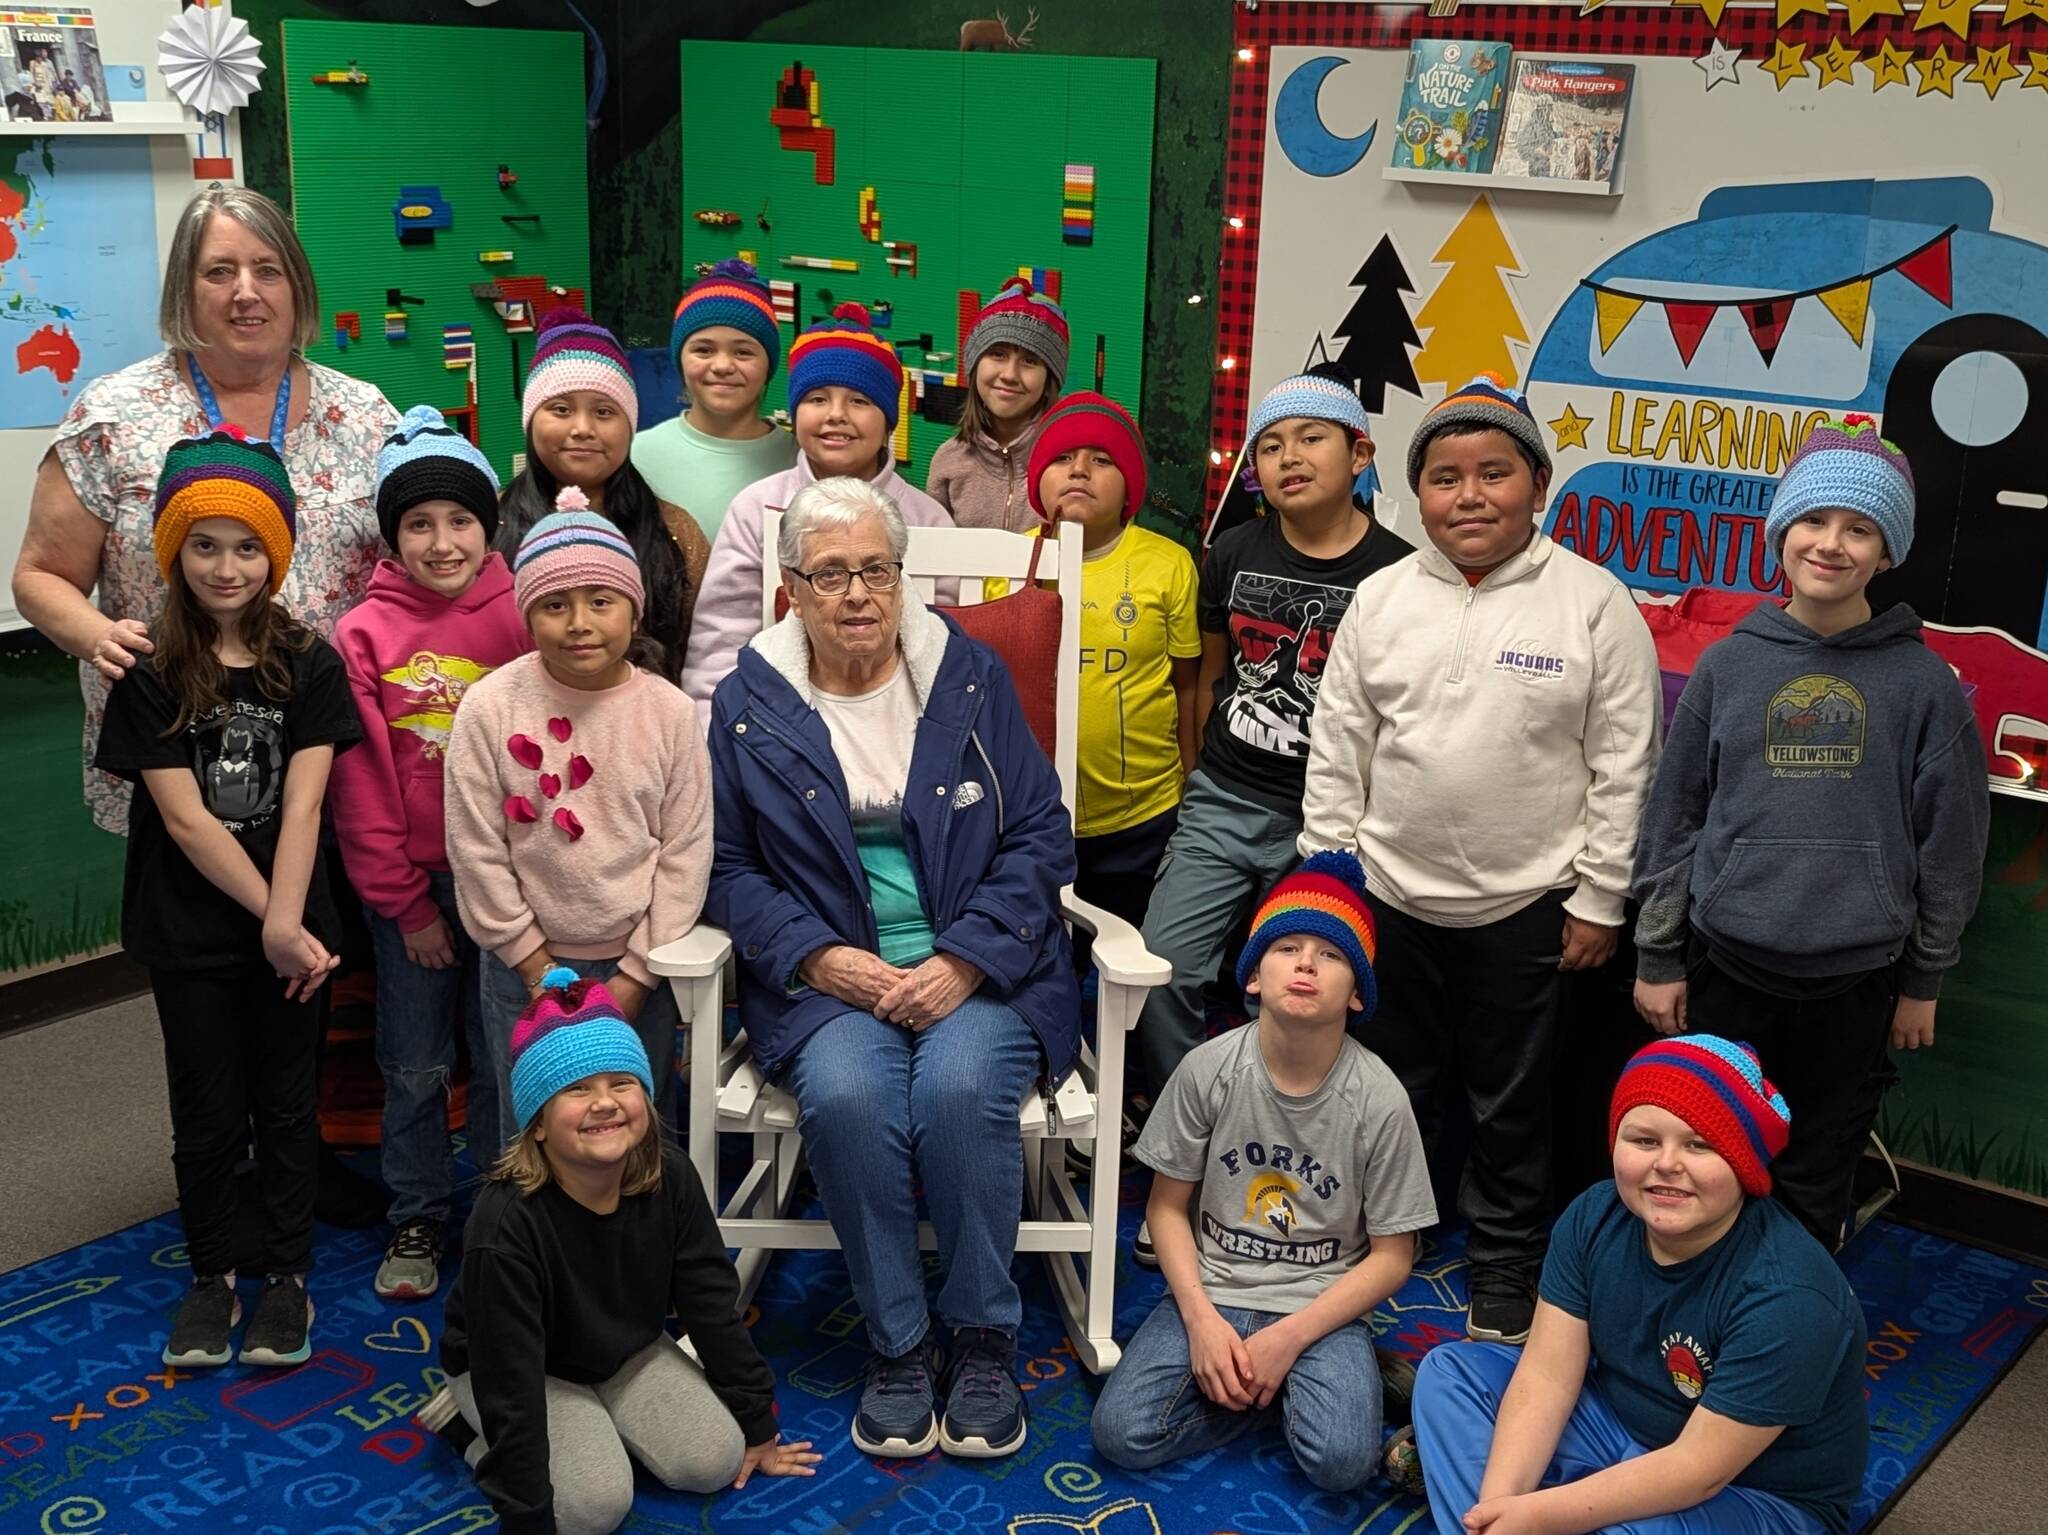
172,916
1277,610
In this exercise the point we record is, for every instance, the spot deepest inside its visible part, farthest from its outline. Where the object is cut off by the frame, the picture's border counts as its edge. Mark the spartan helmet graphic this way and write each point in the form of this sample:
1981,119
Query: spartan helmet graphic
1270,1202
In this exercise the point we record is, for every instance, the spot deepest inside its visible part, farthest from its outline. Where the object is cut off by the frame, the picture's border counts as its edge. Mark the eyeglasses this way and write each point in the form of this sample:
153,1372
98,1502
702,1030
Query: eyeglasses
837,580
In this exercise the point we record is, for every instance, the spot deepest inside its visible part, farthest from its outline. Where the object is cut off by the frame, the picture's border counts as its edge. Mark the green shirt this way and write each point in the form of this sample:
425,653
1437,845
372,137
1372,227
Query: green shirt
702,474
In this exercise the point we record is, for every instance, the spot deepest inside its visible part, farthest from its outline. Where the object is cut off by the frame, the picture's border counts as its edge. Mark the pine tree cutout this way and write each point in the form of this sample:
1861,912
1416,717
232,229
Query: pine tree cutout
1471,317
1376,330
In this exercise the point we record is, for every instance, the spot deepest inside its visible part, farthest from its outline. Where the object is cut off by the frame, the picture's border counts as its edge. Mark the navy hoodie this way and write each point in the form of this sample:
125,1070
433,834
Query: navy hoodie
1821,808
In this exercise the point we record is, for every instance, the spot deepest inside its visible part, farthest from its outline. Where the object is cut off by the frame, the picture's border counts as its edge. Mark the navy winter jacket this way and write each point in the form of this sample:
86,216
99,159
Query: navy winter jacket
982,822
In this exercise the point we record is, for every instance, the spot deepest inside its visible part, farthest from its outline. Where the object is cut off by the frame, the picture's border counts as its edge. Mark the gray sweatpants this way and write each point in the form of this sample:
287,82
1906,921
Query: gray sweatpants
658,1409
1225,853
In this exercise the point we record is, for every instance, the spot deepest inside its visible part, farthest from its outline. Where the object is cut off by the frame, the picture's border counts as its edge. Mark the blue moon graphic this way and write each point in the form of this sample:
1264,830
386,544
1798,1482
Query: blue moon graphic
1303,138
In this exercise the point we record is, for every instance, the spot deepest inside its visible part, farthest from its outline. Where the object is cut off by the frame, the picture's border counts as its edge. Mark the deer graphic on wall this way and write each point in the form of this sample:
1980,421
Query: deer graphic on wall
994,36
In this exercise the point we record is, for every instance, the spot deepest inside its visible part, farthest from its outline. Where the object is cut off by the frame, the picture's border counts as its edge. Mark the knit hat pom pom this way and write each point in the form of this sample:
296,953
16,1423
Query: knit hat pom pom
417,419
734,267
559,978
571,499
1338,864
1488,376
229,429
563,316
853,309
1019,285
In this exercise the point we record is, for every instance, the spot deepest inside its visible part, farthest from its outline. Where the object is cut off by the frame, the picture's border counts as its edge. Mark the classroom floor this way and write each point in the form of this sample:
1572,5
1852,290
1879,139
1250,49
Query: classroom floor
87,1154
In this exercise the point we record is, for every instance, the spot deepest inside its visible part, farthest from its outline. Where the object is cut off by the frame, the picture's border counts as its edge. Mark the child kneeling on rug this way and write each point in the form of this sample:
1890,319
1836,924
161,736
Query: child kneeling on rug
1727,1397
585,1236
1300,1150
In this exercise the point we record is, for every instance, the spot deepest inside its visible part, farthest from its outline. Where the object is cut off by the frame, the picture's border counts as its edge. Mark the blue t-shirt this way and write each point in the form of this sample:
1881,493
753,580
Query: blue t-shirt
1761,1328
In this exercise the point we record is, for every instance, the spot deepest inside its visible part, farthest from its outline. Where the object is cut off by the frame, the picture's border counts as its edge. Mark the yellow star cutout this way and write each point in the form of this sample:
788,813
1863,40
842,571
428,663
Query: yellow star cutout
1838,64
1993,68
1570,428
2024,10
2037,73
1889,67
1953,14
1787,9
1714,8
1861,11
1787,62
1937,72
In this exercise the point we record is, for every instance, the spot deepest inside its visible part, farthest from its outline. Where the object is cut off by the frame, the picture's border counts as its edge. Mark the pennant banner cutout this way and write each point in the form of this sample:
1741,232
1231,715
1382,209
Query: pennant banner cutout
1927,267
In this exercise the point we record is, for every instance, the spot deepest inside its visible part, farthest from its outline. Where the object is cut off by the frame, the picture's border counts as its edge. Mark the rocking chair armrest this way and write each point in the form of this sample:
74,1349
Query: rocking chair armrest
700,952
1118,948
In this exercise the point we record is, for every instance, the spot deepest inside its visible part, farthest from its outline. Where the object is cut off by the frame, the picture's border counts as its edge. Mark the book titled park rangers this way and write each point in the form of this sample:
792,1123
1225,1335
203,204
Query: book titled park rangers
1564,120
1450,105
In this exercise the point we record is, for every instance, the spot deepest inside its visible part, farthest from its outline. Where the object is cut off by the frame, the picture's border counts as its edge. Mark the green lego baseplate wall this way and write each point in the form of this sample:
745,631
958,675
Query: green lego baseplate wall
434,113
909,123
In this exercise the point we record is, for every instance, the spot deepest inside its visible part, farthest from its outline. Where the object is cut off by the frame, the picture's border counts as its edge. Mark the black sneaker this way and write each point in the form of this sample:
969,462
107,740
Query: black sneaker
411,1267
280,1331
985,1414
1397,1388
1143,1253
200,1331
896,1416
1503,1303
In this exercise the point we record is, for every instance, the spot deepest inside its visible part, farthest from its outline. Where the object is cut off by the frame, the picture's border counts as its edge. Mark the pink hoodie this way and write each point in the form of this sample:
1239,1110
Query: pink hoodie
411,655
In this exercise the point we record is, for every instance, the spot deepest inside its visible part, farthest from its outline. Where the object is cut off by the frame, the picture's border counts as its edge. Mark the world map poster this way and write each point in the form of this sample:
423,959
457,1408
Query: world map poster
78,269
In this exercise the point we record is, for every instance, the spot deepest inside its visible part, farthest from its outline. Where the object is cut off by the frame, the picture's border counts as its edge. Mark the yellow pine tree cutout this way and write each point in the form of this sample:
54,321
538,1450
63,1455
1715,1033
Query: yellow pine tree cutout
1471,318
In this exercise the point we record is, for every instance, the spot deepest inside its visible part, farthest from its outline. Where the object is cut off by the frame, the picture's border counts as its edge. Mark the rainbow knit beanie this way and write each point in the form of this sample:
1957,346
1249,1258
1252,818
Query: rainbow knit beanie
845,350
572,1030
224,474
1718,1087
572,351
731,293
1325,898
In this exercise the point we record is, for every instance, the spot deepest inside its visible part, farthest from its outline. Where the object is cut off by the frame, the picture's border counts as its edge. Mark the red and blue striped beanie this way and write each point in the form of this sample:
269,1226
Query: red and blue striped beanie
845,350
1325,898
572,1030
1718,1087
571,351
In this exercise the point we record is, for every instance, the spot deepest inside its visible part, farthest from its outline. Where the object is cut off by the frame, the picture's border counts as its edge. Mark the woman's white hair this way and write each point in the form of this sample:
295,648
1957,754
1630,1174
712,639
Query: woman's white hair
262,218
839,502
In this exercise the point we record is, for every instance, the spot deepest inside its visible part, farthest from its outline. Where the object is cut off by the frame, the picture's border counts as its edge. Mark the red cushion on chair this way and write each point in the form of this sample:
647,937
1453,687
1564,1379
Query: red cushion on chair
1024,629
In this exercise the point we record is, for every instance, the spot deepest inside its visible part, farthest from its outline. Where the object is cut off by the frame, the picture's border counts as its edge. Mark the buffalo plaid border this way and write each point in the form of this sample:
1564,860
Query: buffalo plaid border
1630,31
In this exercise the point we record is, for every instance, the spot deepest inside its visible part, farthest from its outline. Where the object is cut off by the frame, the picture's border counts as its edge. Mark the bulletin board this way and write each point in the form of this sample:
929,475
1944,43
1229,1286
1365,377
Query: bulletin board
416,149
88,216
1823,209
872,161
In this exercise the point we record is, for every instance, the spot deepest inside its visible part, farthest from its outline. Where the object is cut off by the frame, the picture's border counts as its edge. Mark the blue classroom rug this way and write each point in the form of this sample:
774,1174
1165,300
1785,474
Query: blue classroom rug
98,1438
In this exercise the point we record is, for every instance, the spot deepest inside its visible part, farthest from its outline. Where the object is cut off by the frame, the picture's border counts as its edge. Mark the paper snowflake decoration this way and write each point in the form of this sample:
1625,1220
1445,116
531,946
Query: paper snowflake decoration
209,59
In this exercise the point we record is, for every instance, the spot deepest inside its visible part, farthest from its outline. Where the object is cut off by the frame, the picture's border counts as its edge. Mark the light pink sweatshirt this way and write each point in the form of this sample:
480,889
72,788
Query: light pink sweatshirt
578,821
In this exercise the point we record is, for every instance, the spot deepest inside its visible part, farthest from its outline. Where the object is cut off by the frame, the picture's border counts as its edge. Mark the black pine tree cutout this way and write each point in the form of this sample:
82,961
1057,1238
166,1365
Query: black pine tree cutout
1377,331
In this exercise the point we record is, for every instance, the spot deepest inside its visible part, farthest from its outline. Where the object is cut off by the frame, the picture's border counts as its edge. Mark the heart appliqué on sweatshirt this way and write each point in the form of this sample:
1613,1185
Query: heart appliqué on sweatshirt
579,771
525,751
550,785
558,727
519,808
565,818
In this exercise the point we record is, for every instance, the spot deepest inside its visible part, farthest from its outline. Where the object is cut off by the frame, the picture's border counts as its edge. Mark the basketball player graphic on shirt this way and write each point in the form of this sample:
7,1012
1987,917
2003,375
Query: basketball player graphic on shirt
1281,630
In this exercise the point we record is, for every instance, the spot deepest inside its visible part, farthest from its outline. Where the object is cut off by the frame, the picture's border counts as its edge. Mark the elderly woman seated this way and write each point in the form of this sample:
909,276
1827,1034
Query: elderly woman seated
890,851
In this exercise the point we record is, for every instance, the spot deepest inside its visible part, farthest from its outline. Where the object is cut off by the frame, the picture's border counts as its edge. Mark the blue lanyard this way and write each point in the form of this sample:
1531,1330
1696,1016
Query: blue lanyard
211,405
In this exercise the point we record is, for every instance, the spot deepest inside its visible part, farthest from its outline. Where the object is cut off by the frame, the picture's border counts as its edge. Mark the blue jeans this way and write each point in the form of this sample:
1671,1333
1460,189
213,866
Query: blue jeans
1224,854
1153,1410
883,1111
1458,1390
416,1053
505,998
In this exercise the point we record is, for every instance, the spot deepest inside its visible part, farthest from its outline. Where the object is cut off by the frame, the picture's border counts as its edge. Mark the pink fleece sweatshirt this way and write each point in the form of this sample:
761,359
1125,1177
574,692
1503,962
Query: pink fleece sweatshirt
411,656
578,821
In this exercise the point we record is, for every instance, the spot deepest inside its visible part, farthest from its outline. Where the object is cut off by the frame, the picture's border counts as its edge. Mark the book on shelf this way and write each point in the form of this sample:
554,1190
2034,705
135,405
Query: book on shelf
1451,105
1565,119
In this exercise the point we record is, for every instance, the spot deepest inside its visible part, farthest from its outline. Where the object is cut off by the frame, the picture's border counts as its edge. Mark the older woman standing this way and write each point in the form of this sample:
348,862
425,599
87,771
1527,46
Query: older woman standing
889,851
238,308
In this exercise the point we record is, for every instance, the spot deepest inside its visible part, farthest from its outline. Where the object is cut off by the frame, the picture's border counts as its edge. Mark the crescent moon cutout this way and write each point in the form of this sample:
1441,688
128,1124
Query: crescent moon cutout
1303,138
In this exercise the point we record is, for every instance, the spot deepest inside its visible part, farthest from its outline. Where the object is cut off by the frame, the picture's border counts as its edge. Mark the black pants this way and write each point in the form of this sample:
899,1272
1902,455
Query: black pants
1474,1011
1829,1056
242,1059
1116,870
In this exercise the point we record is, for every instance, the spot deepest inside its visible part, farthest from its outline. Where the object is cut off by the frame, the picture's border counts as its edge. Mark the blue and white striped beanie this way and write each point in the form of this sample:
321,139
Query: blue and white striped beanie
1317,395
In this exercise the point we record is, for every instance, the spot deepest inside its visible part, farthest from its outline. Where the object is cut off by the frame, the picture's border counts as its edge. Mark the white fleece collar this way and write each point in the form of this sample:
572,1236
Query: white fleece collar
921,639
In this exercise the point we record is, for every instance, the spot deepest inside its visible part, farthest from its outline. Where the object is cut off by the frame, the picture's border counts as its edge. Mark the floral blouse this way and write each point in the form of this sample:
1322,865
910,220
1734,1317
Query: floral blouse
112,444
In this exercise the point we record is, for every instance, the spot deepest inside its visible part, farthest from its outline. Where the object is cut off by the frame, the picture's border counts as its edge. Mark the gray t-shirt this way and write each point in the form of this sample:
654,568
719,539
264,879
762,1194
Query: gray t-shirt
1291,1187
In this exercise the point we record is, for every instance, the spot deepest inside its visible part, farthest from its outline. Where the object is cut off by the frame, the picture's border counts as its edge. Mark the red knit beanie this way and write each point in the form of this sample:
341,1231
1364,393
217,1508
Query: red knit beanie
1718,1087
1088,420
